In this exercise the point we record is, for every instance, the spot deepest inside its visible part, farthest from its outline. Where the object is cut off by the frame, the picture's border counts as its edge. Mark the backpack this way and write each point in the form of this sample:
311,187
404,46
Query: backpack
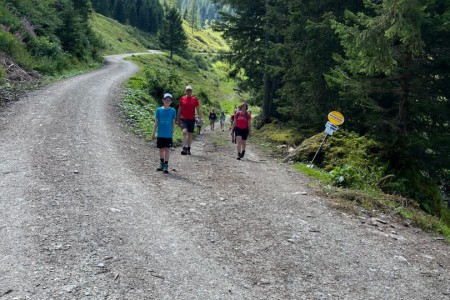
246,116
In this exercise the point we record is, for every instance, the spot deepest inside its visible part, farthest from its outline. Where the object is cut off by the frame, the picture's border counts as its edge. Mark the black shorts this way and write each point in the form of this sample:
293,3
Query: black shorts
164,142
188,124
241,132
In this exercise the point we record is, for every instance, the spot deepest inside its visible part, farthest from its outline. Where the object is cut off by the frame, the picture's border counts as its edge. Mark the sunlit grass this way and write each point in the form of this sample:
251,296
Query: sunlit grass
118,38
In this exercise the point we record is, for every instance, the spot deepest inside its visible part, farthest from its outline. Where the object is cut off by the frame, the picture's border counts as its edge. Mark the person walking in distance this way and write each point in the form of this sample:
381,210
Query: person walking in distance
212,119
222,120
242,126
186,118
165,124
199,125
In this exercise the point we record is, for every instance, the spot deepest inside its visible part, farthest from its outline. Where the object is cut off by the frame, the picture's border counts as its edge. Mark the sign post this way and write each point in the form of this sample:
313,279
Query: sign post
335,119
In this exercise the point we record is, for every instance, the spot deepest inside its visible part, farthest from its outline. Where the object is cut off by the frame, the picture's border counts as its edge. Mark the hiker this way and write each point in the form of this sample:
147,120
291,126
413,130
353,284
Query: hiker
165,123
198,124
242,126
186,118
233,137
212,119
222,120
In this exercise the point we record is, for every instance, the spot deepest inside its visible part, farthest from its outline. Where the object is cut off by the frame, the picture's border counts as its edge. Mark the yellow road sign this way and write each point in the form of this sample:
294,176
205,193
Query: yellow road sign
336,118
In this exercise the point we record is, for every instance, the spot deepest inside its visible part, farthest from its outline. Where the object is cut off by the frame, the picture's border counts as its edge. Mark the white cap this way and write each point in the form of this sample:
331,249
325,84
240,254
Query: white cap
188,87
167,95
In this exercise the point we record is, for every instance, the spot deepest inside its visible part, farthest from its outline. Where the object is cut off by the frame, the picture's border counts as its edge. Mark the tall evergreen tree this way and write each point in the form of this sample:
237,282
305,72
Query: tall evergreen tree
396,80
306,54
246,32
102,7
193,15
172,35
119,12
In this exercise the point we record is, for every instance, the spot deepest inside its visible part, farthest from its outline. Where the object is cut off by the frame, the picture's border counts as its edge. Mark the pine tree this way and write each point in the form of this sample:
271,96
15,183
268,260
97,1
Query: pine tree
397,84
193,15
306,55
119,12
250,33
172,35
102,7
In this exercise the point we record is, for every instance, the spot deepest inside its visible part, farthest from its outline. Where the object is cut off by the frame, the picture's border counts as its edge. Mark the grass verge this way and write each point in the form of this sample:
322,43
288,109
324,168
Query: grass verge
274,140
372,202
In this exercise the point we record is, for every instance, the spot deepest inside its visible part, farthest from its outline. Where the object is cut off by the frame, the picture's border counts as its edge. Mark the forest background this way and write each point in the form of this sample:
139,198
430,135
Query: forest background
383,64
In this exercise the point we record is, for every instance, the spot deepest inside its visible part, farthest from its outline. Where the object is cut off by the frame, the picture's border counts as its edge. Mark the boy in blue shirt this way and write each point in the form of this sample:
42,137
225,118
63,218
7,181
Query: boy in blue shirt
165,123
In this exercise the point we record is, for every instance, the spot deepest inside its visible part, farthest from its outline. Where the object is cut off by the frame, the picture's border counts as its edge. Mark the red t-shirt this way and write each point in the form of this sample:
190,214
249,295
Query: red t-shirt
242,119
188,105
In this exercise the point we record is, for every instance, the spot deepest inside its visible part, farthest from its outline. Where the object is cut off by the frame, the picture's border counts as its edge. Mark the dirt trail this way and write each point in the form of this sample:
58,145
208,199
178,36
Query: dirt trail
86,216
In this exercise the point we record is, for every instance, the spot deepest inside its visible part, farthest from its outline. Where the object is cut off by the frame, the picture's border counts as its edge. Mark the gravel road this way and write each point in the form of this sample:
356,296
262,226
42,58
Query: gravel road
84,215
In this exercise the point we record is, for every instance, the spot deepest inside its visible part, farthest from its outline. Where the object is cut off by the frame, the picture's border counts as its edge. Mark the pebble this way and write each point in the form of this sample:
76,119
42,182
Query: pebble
401,258
300,193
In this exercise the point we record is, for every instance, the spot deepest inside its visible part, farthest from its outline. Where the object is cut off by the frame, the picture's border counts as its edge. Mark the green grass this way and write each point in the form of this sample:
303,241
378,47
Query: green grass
139,106
118,38
372,202
204,40
319,174
209,81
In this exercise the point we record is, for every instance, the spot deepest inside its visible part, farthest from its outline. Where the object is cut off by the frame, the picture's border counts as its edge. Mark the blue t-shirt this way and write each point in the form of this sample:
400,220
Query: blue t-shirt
165,121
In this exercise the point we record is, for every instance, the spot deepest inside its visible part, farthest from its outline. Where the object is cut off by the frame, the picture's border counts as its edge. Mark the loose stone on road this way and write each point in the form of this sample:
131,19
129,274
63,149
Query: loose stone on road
85,216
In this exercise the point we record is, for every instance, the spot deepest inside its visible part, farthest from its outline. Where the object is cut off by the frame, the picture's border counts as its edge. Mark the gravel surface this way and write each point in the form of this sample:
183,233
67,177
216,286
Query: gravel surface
86,216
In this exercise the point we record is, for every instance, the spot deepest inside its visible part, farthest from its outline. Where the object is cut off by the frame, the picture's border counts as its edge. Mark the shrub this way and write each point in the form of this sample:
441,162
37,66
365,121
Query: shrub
10,45
162,81
346,176
200,62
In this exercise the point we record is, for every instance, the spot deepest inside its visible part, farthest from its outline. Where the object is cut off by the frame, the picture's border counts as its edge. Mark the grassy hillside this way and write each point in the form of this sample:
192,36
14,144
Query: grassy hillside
117,38
160,74
205,40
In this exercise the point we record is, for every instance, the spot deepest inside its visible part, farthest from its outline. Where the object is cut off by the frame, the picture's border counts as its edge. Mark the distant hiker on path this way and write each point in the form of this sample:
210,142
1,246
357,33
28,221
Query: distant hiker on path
242,127
186,118
222,120
165,124
233,137
212,119
199,125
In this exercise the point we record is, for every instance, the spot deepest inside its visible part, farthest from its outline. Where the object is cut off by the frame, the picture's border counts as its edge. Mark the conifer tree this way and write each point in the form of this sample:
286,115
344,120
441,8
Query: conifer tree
193,15
172,35
394,80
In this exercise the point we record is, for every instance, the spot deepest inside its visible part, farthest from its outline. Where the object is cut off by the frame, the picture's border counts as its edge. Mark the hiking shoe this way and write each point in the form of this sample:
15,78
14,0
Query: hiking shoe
161,167
184,151
242,153
166,168
188,151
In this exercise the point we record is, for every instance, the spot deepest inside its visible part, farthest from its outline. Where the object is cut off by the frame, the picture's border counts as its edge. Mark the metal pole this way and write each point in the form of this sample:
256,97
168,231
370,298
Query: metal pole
323,141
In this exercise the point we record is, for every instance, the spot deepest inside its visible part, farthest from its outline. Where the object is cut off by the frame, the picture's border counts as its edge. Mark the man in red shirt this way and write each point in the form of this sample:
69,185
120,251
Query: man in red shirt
186,118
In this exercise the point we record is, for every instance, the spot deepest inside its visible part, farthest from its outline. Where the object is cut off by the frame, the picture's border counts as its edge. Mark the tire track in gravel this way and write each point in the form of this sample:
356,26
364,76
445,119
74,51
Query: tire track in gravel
78,221
86,216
